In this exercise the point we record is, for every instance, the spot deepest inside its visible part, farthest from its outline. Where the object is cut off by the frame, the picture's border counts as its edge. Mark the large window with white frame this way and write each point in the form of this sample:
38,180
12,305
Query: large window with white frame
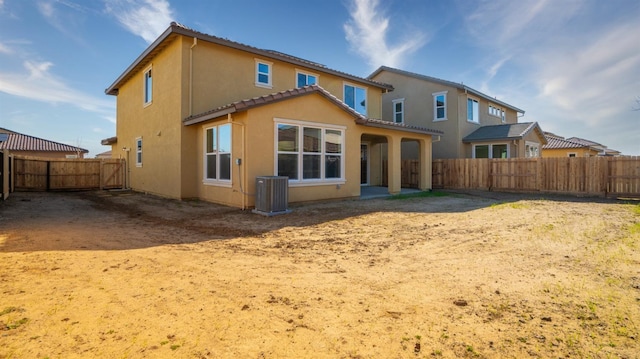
497,150
305,79
263,73
440,106
217,153
398,110
148,87
309,152
356,98
473,110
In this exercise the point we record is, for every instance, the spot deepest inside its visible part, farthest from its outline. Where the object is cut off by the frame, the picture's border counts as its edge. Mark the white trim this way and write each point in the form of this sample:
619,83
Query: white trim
149,69
306,73
366,96
498,112
530,144
268,85
394,102
467,112
139,151
300,182
435,107
216,181
490,148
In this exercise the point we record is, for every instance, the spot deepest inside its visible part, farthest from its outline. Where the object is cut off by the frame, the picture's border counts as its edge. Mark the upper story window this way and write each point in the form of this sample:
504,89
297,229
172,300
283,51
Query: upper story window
263,73
473,110
497,112
356,98
309,152
398,110
148,87
139,152
440,106
217,153
305,79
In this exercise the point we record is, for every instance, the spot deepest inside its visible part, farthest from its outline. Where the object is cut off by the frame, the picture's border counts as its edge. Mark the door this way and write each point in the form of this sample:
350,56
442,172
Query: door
364,164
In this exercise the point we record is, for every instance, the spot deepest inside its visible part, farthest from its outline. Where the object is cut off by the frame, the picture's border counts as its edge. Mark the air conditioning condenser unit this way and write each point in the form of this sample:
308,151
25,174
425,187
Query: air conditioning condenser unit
272,195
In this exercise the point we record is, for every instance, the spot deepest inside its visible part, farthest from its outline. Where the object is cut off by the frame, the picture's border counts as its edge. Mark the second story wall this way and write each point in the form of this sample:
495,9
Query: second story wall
222,75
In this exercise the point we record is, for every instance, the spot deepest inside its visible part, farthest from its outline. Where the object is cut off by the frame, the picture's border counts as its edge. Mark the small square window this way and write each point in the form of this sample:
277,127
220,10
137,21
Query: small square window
263,74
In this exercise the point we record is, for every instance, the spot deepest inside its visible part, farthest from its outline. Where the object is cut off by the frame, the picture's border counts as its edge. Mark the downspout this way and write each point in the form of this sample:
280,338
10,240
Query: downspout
195,42
238,161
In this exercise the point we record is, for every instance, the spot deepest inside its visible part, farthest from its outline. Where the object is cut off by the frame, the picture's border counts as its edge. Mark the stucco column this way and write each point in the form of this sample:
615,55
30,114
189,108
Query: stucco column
425,164
394,156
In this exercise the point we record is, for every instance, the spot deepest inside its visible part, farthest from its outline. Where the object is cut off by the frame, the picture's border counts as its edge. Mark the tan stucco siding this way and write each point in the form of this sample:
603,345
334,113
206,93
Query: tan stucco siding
158,124
562,152
223,75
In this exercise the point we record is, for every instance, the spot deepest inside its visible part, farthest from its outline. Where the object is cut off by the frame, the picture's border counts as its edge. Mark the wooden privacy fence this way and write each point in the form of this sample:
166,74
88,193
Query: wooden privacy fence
592,176
44,174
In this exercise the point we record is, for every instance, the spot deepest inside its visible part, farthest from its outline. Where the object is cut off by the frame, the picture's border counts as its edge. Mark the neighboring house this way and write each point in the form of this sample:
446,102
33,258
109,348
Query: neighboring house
475,125
199,116
19,144
559,146
104,155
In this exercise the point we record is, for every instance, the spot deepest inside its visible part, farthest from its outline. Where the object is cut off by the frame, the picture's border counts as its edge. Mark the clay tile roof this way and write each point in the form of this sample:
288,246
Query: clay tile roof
247,104
19,142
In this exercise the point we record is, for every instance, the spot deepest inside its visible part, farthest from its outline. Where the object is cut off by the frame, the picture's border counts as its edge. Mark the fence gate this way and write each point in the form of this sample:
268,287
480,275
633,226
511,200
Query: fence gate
44,174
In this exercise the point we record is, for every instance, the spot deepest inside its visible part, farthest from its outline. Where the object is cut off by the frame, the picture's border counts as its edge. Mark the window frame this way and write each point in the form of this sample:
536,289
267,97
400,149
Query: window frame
147,86
307,74
138,143
300,152
269,74
401,112
490,149
218,154
528,146
476,113
497,111
435,106
355,87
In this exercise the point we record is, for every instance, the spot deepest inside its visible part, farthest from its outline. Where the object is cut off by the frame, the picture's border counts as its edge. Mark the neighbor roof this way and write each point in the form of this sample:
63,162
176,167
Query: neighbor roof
244,105
459,86
512,131
19,142
176,29
558,142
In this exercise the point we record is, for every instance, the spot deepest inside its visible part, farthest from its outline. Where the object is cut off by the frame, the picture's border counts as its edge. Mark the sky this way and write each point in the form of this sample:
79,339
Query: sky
572,65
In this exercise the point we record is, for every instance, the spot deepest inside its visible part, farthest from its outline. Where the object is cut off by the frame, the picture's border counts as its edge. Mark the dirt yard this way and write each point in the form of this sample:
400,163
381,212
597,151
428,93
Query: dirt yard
125,275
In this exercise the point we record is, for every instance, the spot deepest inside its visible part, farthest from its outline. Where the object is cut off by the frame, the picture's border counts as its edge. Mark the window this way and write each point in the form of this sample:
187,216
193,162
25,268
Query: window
263,74
148,87
497,112
531,150
440,106
398,110
491,151
304,79
472,111
218,153
139,152
356,98
572,154
309,152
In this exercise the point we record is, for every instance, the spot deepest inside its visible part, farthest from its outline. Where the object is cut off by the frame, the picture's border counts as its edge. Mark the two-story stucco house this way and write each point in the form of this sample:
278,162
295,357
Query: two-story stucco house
475,125
199,116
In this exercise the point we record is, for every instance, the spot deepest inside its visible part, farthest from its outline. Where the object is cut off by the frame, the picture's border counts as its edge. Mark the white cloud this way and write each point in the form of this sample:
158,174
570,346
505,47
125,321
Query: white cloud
367,31
146,18
39,84
4,49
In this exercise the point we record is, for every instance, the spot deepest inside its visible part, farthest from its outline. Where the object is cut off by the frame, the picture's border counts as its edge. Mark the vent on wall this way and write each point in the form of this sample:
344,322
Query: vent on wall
272,195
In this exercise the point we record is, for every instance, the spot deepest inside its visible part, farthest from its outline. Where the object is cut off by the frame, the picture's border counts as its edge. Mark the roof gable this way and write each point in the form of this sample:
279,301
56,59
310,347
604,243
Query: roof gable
176,29
512,131
459,86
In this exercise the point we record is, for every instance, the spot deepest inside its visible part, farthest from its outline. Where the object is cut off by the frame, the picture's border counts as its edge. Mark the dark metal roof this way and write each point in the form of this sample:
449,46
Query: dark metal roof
244,105
19,142
459,86
176,29
512,131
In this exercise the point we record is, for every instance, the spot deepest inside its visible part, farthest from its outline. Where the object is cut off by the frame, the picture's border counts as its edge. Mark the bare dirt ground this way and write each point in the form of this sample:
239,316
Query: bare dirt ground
125,275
